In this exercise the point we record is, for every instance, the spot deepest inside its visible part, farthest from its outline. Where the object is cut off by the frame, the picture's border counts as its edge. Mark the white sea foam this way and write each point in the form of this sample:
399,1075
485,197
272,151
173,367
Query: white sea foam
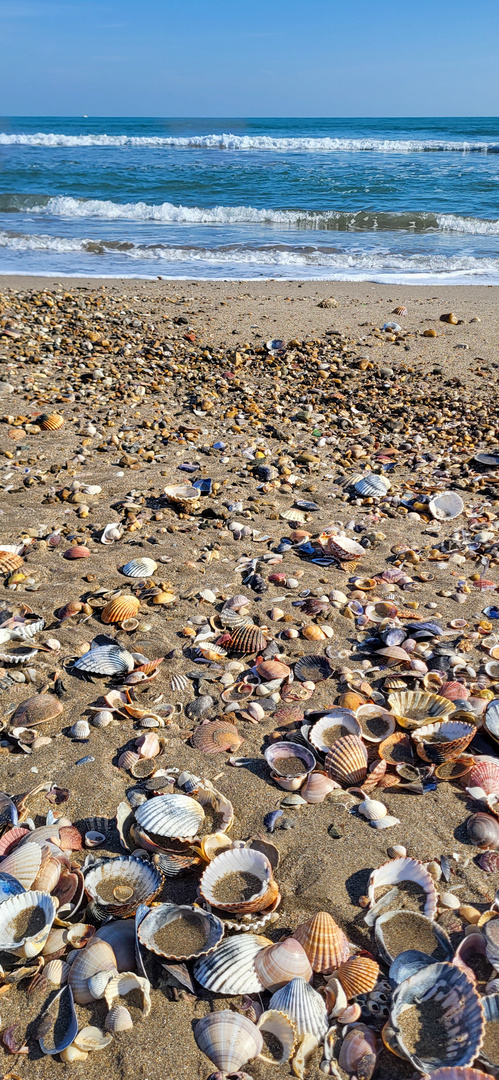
250,142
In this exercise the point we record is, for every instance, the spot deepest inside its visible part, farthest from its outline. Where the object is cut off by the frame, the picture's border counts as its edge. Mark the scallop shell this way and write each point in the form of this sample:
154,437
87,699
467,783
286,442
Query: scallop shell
56,972
280,1026
35,710
239,861
228,1039
50,421
246,640
278,964
105,660
413,707
118,1019
458,1073
137,882
414,924
77,552
119,609
9,562
343,549
446,506
23,864
176,816
43,908
230,969
372,485
313,668
304,1006
492,719
139,568
462,1023
372,809
324,942
358,975
404,869
184,496
443,741
48,876
163,914
485,774
60,1024
216,737
335,718
95,957
318,787
376,723
346,762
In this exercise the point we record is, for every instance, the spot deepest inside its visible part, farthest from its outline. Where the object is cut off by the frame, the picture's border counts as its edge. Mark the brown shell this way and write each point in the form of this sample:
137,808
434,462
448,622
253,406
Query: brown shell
346,761
9,562
272,669
247,640
358,975
489,862
447,749
119,609
278,964
216,737
397,748
36,710
324,942
78,552
50,421
374,777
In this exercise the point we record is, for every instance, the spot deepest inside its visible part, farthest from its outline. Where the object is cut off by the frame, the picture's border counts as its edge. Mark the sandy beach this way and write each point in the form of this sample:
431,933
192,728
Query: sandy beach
150,376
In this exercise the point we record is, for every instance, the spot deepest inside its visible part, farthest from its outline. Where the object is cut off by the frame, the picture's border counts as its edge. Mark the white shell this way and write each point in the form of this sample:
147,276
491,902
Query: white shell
176,816
372,484
235,860
123,984
336,717
139,568
96,956
404,869
23,864
304,1006
111,533
231,969
26,631
118,1019
80,730
278,1024
163,914
228,1039
97,983
56,972
9,911
372,809
106,660
102,718
447,505
138,874
92,1038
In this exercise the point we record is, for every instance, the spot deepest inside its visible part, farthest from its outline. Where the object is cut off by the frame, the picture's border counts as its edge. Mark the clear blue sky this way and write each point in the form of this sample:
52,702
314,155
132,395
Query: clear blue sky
249,57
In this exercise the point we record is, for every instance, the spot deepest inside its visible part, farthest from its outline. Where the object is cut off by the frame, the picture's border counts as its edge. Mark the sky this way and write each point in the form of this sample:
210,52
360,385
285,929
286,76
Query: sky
249,58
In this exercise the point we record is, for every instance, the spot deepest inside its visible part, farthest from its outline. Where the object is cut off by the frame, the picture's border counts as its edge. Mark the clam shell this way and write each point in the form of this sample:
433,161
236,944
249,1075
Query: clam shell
346,762
246,640
23,864
38,709
119,609
95,957
91,1039
139,568
491,934
373,485
239,861
60,1024
313,668
332,722
279,752
31,941
485,774
228,1039
372,809
125,983
80,730
404,869
280,1026
50,421
176,816
149,930
48,876
105,660
492,719
77,552
317,787
461,1031
184,496
230,969
278,964
323,941
118,1019
407,963
343,549
216,737
443,741
358,975
268,670
376,723
416,932
446,506
120,935
483,831
413,707
304,1006
120,884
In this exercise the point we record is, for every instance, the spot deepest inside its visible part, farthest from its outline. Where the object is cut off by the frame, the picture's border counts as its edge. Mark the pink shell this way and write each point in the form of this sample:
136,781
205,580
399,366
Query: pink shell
484,774
11,839
454,690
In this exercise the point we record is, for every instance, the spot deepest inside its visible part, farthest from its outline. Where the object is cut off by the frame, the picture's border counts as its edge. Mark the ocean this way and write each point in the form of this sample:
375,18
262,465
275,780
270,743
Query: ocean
386,200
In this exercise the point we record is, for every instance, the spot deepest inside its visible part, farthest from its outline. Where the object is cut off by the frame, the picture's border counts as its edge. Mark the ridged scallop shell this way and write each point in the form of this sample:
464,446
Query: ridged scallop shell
343,549
413,707
50,421
404,869
335,718
313,668
278,964
373,485
44,909
239,861
176,816
246,640
443,741
228,1039
150,927
183,495
491,934
118,1019
458,1073
317,787
372,809
139,568
304,1006
216,737
9,563
137,882
280,1026
48,876
492,718
446,506
23,864
462,1025
105,660
95,957
490,1005
485,774
324,942
119,609
346,762
358,975
56,972
230,969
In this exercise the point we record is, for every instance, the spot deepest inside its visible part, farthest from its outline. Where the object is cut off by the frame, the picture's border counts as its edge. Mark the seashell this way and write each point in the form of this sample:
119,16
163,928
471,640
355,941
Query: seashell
186,919
184,496
56,972
436,990
50,421
97,983
268,670
246,640
400,930
125,983
454,690
312,632
341,547
148,745
334,724
376,723
216,737
80,730
324,942
483,831
404,869
459,1073
9,562
358,1052
317,787
313,668
248,863
472,946
58,1022
120,884
492,719
120,935
346,762
489,1055
176,816
9,886
446,506
97,956
36,710
91,1039
111,533
77,552
453,770
396,749
22,864
119,609
484,774
290,764
25,922
118,1019
358,975
297,691
197,708
105,660
491,934
48,876
278,964
413,707
280,1027
304,1006
386,822
94,838
373,485
229,1040
230,969
407,963
443,741
489,862
372,810
102,718
139,568
211,652
127,759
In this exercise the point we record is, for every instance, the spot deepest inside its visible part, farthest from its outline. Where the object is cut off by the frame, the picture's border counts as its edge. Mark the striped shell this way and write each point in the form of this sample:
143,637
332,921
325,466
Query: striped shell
413,707
462,1026
239,861
120,884
485,774
165,914
324,942
278,964
280,1026
176,816
372,484
454,691
358,975
9,562
443,741
268,670
229,1040
97,956
317,788
119,609
21,944
404,869
216,737
346,762
50,421
139,568
304,1006
105,660
246,640
313,668
230,969
77,552
118,1019
343,548
459,1072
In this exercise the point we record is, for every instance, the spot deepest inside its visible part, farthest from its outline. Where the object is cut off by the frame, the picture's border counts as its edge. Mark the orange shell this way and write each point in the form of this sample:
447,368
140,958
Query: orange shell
278,964
396,748
358,975
312,632
50,421
374,777
216,737
119,609
9,562
346,761
351,700
324,942
454,690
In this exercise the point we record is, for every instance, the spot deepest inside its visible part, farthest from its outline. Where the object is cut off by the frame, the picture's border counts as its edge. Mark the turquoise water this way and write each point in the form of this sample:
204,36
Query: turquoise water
413,200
